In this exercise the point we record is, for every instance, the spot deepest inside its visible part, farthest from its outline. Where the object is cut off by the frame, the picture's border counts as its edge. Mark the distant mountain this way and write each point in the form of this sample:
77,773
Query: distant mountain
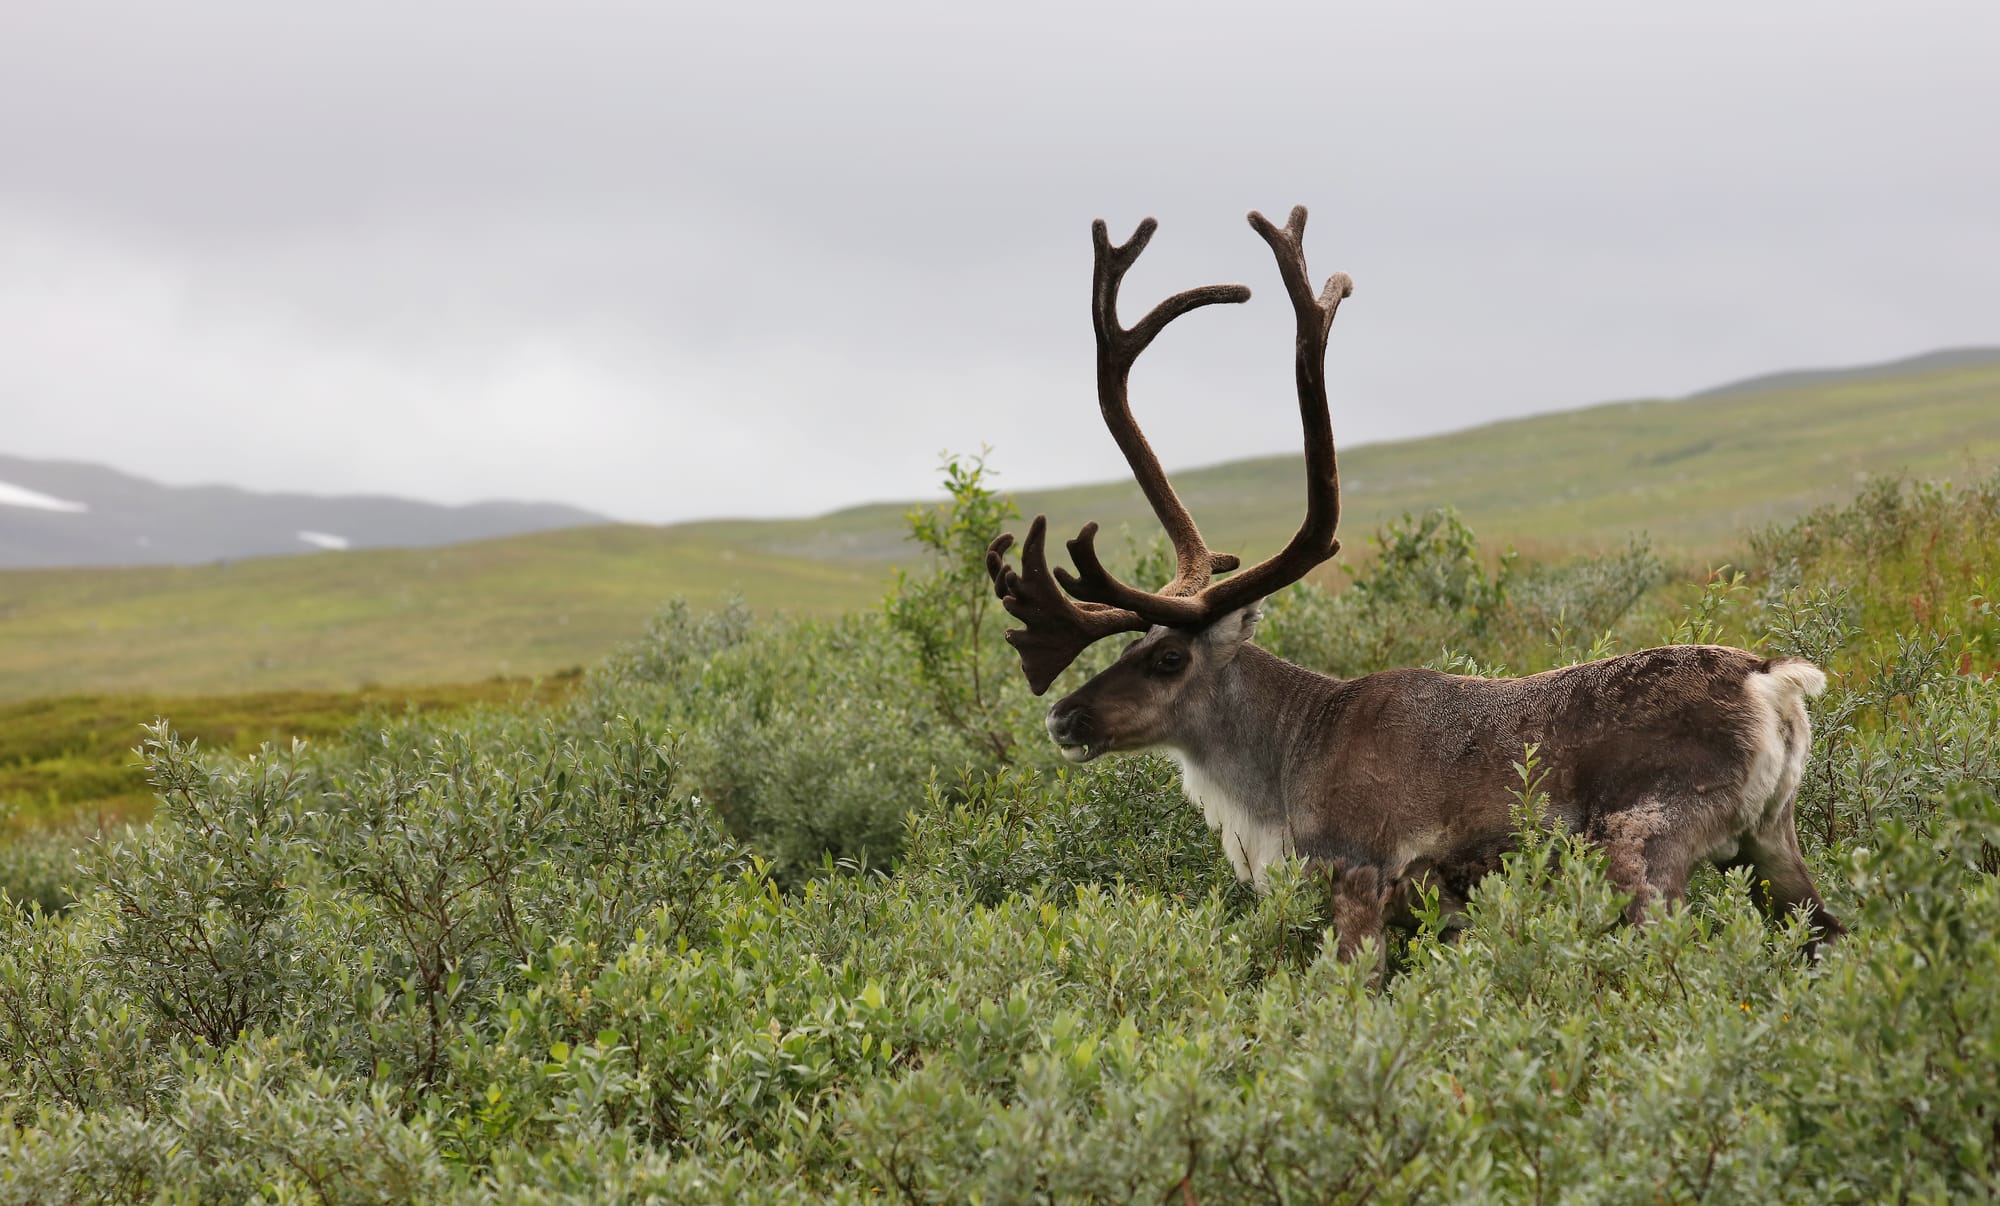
66,513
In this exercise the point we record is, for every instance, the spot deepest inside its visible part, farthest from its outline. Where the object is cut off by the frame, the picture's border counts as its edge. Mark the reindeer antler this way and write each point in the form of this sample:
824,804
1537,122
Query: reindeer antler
1065,613
1117,349
1058,627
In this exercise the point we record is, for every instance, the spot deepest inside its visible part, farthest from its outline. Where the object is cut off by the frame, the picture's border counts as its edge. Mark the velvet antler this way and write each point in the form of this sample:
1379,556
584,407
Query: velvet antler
1065,613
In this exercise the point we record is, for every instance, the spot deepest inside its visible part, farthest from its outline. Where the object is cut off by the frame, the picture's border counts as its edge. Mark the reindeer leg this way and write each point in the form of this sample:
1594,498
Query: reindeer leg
1646,851
1782,881
1360,898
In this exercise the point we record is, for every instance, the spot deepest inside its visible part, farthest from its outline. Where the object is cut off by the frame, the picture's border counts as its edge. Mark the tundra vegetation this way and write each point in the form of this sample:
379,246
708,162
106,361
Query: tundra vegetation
812,908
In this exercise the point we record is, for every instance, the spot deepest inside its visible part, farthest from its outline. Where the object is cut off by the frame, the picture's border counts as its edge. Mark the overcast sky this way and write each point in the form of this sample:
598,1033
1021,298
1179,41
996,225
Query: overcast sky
677,260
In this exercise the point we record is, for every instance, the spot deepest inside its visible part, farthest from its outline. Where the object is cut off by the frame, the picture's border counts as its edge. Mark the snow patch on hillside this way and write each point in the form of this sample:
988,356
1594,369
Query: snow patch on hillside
326,540
21,496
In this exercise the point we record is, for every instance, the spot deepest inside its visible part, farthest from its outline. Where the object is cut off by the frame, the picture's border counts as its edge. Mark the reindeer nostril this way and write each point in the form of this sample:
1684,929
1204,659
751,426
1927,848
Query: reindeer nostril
1070,726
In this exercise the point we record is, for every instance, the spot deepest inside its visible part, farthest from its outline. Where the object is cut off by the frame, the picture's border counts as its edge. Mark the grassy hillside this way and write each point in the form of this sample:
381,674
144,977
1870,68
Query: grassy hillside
1691,473
527,605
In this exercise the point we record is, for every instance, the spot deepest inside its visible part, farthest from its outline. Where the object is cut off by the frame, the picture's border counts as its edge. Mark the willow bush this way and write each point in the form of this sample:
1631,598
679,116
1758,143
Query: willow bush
763,912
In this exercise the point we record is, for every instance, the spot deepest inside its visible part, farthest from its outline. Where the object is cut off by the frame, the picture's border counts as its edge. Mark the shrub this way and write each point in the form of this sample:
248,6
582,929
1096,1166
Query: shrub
38,867
1425,589
1024,830
813,740
199,925
1427,599
949,617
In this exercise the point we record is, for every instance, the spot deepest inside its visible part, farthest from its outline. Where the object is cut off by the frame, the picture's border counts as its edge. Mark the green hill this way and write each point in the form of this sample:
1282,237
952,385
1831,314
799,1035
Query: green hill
1690,473
523,605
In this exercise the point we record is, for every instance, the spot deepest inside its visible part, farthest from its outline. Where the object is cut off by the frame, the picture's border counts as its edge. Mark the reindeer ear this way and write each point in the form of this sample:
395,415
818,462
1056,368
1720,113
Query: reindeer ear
1234,628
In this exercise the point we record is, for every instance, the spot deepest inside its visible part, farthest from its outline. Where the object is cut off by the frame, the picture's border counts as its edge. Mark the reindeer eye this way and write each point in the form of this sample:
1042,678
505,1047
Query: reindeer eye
1169,662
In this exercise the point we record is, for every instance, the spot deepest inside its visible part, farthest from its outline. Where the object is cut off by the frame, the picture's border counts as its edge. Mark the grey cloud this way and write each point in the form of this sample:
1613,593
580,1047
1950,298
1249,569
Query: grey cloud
677,260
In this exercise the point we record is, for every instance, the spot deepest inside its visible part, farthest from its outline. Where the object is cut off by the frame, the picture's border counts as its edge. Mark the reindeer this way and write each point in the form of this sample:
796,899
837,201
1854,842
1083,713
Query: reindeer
1662,758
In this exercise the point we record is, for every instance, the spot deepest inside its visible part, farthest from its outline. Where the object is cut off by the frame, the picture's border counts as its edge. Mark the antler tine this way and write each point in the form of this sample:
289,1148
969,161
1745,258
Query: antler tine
1288,245
1178,602
1117,349
1112,263
1057,627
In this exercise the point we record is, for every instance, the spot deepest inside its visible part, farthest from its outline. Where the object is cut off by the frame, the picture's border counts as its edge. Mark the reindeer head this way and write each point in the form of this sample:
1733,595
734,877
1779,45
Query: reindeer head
1129,705
1137,702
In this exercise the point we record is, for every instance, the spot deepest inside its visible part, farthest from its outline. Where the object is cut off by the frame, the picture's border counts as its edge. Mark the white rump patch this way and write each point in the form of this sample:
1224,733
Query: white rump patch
1804,677
326,540
1783,735
20,496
